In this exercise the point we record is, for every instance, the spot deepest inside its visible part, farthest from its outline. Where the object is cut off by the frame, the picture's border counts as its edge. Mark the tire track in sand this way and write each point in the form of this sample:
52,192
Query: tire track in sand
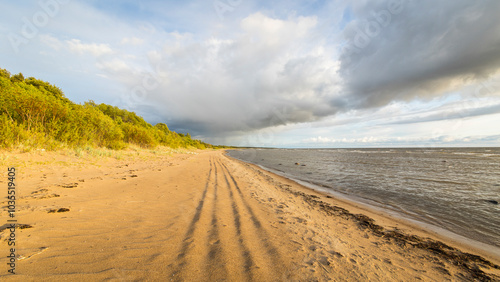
215,265
273,256
188,237
225,240
246,255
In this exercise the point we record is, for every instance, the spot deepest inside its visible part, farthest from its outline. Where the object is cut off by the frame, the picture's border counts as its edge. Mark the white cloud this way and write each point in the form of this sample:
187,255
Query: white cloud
97,50
423,141
51,41
113,66
132,41
332,141
262,29
270,72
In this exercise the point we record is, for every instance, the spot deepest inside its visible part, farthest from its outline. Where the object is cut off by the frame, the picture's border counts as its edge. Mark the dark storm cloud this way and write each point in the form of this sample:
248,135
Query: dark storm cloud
451,113
400,50
270,74
397,51
339,67
263,71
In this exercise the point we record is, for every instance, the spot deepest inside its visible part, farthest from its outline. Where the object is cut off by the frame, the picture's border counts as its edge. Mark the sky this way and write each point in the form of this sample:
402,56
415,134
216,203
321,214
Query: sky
293,74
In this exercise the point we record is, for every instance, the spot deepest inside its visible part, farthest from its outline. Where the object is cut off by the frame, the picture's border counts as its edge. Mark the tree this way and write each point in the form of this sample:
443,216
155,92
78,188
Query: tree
162,127
4,73
17,78
37,114
46,87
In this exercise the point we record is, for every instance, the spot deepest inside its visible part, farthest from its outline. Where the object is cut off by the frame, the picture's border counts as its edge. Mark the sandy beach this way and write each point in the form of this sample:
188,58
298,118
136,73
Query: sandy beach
202,216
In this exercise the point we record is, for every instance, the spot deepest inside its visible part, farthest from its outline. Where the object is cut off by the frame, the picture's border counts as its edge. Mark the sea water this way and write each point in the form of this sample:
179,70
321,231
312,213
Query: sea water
457,189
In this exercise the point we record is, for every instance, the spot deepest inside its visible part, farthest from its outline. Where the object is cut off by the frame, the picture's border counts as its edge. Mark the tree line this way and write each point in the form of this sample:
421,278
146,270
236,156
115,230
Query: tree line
36,113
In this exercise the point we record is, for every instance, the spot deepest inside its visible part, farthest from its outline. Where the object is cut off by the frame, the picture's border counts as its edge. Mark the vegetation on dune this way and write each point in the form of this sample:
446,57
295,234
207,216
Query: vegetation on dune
36,114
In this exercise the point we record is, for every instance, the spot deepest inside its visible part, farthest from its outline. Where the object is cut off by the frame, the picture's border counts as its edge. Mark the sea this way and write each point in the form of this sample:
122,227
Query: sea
452,189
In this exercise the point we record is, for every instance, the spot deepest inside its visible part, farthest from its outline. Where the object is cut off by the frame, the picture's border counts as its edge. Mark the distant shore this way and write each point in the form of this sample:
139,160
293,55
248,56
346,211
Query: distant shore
204,216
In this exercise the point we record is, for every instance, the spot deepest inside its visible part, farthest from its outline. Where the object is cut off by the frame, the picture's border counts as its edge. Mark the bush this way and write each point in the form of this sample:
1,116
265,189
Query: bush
11,133
139,136
35,113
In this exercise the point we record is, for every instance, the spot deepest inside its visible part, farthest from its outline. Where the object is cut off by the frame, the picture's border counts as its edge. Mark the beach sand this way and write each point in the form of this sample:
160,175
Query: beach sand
202,216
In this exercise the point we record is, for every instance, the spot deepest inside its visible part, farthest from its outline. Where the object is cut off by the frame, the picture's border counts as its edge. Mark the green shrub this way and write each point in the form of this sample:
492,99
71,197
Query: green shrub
139,136
35,113
11,133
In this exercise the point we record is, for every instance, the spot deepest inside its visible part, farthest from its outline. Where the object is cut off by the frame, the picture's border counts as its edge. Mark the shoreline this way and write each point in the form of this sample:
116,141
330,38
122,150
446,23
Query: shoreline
383,215
397,228
201,215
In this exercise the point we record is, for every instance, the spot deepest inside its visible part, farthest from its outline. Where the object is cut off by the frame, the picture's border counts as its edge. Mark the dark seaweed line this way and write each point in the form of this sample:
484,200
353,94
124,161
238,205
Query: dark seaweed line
271,250
237,222
189,234
466,261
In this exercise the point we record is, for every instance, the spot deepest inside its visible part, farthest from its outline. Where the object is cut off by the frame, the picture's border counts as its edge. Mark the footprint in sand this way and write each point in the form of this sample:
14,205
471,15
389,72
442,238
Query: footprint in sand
59,210
335,254
41,250
313,248
300,220
48,196
40,191
41,194
18,226
69,185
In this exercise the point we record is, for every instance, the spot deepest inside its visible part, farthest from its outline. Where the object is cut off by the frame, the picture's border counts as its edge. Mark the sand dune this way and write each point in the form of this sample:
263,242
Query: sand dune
206,217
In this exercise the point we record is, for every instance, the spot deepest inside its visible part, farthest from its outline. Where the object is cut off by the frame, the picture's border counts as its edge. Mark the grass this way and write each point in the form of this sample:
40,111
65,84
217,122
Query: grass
24,156
133,152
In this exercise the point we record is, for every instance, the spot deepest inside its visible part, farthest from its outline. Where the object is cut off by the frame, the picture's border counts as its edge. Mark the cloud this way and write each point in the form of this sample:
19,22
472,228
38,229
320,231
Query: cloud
270,73
274,71
328,68
51,41
425,49
458,110
132,41
95,49
401,141
114,65
327,140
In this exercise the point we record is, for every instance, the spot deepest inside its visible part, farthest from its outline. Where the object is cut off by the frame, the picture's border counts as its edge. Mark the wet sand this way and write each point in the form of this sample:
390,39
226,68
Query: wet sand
205,217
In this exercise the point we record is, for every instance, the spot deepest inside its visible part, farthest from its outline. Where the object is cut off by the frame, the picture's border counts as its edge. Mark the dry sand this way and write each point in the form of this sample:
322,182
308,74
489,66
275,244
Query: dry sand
204,217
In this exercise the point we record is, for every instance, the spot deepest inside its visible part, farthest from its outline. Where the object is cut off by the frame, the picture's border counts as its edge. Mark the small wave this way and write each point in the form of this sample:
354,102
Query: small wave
435,180
412,182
